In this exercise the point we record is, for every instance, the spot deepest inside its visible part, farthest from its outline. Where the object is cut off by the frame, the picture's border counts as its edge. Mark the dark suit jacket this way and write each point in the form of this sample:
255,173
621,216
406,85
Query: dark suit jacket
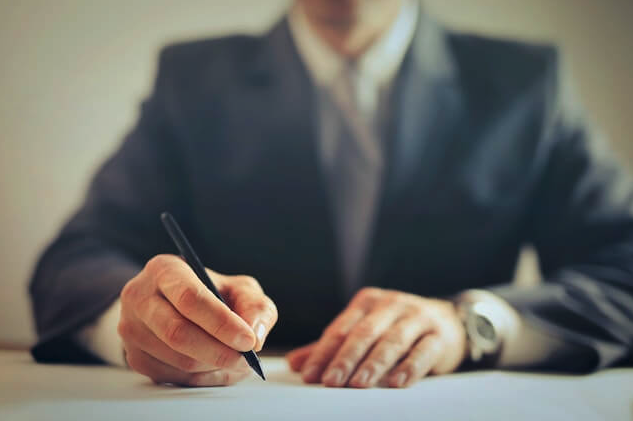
484,155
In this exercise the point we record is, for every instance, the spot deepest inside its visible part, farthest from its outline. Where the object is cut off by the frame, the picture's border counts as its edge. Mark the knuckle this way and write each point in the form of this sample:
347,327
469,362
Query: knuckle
161,269
414,311
259,306
249,281
157,264
176,335
347,362
129,292
124,329
225,378
221,322
188,299
264,309
366,292
386,356
364,329
146,305
266,306
223,359
380,360
389,298
394,340
335,333
367,295
189,365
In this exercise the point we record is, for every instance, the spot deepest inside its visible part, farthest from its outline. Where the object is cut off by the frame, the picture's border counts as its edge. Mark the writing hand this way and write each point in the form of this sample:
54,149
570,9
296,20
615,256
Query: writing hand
175,330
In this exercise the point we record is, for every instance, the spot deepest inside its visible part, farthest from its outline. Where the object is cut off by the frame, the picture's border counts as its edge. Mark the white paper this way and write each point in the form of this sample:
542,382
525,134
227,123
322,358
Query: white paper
29,391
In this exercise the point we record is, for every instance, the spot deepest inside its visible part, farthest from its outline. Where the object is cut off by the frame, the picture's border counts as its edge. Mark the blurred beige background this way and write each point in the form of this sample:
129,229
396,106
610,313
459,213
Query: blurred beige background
72,74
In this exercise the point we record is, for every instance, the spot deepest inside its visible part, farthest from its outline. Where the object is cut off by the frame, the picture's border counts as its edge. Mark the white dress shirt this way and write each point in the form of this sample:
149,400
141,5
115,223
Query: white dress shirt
377,68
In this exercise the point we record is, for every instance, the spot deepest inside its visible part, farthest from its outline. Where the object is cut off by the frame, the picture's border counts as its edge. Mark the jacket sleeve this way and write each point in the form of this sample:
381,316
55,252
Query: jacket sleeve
581,225
116,230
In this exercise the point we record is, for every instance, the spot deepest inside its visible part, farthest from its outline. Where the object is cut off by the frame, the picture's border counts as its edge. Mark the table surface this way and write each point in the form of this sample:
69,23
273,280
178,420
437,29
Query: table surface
30,391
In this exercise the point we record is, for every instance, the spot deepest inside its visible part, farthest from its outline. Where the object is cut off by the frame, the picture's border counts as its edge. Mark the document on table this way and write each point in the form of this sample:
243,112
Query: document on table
29,391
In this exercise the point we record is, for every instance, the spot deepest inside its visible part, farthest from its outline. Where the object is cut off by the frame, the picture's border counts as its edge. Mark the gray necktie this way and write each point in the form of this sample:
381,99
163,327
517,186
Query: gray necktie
355,176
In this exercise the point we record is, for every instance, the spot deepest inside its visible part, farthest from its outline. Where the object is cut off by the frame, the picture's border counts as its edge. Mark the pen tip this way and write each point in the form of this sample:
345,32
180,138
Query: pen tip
257,368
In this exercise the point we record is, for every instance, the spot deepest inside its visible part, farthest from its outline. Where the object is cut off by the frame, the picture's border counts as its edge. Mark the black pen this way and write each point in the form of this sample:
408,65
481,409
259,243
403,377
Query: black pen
190,256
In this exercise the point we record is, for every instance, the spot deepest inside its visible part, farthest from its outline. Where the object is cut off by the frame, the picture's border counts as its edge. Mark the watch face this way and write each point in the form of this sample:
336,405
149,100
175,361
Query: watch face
484,328
482,332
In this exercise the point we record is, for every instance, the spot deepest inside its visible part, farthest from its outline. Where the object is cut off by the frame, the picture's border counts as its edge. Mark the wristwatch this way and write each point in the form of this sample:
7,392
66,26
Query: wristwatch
483,320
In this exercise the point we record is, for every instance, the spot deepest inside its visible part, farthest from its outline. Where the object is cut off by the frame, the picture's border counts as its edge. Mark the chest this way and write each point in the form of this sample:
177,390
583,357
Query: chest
451,208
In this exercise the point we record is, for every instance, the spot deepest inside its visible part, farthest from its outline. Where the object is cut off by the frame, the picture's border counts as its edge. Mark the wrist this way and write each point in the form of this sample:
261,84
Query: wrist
464,354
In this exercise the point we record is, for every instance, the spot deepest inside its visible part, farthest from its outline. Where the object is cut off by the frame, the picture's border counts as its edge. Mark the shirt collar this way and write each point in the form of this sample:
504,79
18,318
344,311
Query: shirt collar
379,63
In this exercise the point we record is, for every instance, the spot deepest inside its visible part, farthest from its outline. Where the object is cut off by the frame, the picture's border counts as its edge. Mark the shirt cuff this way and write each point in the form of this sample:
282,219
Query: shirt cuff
524,346
101,337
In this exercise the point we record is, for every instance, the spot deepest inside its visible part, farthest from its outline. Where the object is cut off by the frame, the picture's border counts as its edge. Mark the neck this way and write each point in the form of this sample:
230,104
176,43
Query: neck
352,38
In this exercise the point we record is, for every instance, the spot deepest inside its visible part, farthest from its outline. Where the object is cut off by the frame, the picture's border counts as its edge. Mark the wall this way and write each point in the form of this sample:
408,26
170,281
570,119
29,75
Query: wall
72,74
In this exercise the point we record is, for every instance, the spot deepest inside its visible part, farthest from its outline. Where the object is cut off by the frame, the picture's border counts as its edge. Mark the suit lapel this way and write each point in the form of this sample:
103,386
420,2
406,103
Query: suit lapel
426,103
281,84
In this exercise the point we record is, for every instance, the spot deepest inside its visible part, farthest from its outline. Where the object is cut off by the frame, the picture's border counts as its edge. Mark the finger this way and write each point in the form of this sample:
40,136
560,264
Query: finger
183,336
140,336
297,357
335,334
180,286
145,364
159,372
331,340
358,343
225,377
389,349
245,296
421,359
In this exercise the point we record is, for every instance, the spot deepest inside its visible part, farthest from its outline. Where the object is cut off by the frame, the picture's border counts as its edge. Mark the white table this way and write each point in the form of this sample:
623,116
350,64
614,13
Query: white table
29,391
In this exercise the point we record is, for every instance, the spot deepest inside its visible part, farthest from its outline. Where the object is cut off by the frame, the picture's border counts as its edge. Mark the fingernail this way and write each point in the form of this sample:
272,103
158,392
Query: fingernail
260,331
243,342
363,377
333,377
400,379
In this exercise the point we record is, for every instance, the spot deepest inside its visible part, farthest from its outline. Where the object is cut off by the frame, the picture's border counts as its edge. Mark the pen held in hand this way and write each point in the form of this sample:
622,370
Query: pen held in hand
192,259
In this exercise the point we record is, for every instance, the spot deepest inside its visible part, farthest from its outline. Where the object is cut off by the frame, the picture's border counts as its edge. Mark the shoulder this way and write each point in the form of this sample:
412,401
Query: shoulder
231,46
504,66
208,58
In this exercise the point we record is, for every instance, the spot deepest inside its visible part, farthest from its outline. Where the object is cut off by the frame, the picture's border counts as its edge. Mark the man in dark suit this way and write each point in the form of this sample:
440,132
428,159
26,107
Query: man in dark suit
356,160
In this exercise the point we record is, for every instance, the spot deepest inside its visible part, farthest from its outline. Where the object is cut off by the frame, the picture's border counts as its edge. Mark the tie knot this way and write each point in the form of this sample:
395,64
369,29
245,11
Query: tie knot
346,84
355,91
